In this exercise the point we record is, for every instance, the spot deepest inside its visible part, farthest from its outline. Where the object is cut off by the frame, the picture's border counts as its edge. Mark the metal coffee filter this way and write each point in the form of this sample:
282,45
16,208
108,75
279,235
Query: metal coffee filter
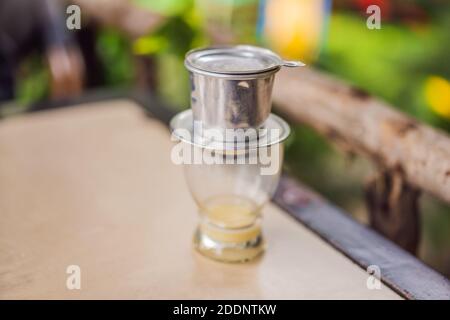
231,87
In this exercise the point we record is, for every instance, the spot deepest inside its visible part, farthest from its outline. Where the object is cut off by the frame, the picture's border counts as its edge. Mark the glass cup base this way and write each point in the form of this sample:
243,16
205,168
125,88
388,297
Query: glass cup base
235,245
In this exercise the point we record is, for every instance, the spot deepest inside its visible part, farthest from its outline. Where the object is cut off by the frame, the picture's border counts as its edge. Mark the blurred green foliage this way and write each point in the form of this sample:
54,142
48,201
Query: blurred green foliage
166,7
173,81
392,63
168,45
34,79
115,53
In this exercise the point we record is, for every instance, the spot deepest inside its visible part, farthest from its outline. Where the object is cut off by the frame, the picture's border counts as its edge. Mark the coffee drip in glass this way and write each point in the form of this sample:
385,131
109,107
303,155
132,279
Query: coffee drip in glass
231,147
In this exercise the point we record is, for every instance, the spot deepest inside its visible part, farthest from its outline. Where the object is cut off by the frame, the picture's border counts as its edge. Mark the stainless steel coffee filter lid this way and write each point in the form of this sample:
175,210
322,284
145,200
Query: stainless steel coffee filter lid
236,60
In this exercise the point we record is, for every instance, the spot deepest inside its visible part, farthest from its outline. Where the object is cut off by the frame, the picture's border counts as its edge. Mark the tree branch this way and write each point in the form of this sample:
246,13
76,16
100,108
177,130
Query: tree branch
367,126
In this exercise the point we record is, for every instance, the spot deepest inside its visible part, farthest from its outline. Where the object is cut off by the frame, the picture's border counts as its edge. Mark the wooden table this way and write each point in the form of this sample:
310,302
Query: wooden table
93,186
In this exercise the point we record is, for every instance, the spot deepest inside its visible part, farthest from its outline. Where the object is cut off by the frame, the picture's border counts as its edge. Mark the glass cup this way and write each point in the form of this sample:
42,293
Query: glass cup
230,197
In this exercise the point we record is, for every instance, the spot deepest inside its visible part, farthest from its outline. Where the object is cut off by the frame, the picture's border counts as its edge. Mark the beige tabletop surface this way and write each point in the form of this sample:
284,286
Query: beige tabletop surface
94,186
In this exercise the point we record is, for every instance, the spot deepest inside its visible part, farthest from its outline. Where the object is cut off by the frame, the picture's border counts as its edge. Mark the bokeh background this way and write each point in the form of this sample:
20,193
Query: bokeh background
128,45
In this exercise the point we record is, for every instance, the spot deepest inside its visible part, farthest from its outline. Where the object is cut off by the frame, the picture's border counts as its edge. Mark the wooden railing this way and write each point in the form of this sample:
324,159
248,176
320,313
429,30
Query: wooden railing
411,157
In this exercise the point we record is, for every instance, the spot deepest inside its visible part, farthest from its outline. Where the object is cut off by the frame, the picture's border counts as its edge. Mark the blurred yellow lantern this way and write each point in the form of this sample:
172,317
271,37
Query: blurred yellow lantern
293,28
437,94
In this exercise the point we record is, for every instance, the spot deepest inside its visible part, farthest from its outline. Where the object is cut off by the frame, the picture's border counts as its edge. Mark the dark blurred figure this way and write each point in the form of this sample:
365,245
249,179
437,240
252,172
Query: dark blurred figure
28,26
